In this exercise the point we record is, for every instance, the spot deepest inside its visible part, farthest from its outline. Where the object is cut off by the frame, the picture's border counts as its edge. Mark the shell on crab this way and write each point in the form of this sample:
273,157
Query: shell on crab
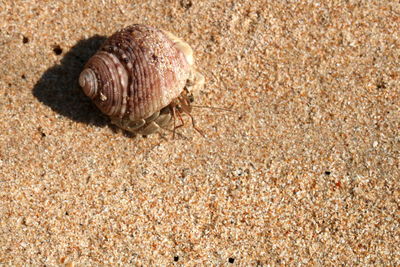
139,75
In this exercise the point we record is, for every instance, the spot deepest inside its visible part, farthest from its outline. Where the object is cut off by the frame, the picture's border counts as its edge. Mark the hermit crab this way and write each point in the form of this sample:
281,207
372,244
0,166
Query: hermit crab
143,78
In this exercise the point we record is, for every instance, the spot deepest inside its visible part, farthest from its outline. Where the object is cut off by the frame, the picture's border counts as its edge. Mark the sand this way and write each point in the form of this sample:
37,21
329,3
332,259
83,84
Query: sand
304,169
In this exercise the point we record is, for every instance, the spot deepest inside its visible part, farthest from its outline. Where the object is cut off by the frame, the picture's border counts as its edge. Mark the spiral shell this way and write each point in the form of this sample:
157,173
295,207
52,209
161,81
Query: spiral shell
136,74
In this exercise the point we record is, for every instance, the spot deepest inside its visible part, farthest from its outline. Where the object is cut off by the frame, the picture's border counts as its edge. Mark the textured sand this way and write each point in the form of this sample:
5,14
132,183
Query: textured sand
304,171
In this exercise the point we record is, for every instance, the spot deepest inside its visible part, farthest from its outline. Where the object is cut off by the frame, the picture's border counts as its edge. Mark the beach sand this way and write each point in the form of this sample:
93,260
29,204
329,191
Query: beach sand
303,169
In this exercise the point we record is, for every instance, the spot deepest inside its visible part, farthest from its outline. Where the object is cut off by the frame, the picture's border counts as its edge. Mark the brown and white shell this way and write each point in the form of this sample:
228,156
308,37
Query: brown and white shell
136,75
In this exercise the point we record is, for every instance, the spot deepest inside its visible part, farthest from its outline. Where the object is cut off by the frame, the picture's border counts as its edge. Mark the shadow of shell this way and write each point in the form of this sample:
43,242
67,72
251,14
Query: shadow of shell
58,87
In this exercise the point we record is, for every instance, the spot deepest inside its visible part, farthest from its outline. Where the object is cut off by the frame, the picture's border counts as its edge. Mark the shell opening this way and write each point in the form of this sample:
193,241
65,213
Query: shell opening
88,82
182,46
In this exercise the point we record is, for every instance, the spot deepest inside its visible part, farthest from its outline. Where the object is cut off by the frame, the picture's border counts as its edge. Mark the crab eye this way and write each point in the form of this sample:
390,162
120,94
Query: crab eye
191,98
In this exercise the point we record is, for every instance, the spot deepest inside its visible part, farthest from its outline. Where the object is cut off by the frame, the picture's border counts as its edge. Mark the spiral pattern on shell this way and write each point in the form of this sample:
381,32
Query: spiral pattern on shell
138,71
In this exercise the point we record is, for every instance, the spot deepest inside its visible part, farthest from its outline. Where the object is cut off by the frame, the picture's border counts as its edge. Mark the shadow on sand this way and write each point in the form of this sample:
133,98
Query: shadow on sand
58,87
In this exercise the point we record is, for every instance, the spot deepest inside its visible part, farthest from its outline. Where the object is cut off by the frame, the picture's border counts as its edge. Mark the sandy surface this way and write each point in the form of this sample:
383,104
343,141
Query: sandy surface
305,170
